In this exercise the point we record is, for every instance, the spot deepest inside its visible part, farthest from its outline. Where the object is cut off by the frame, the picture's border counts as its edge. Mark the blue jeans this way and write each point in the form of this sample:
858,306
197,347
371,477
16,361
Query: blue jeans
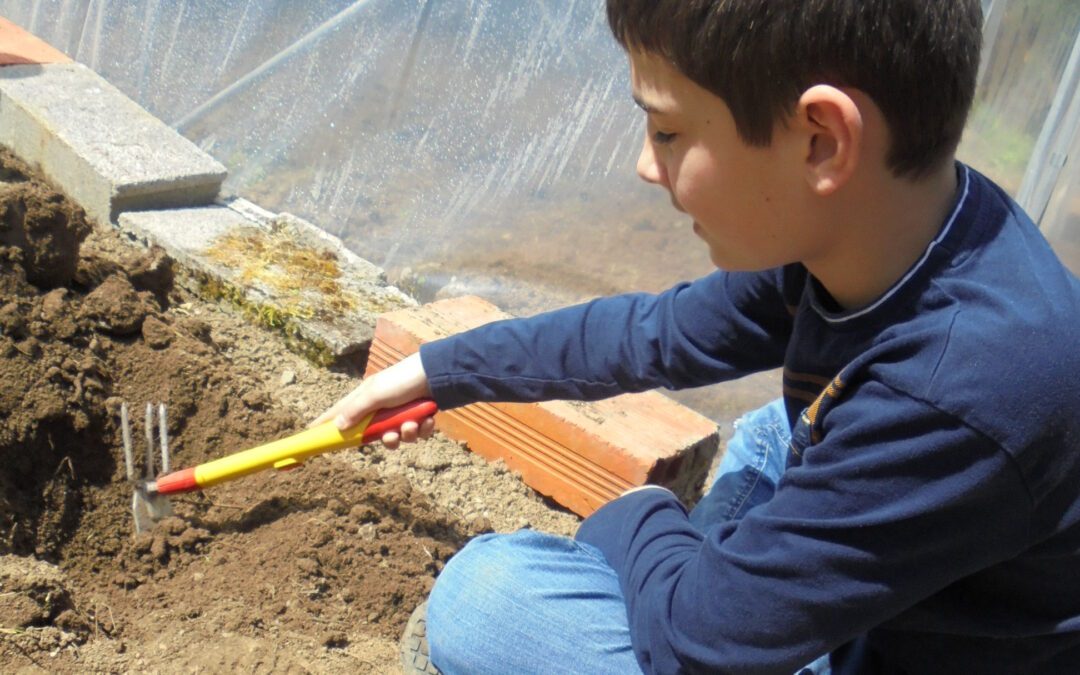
530,602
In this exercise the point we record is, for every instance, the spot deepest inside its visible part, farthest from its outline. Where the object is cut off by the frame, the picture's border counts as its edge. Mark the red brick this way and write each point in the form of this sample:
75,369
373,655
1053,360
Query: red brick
580,454
17,47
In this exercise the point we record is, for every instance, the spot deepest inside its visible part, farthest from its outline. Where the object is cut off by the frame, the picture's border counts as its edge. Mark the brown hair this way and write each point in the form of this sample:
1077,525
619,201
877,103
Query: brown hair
917,59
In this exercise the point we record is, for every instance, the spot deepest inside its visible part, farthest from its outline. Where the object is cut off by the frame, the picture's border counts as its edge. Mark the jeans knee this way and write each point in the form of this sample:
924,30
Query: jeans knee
466,602
502,591
489,566
461,568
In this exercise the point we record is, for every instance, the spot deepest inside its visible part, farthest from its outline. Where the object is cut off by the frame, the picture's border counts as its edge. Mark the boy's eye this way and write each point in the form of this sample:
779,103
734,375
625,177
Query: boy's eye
661,138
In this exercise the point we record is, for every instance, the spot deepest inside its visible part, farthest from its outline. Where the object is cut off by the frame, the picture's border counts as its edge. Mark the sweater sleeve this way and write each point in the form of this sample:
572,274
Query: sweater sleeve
895,503
717,328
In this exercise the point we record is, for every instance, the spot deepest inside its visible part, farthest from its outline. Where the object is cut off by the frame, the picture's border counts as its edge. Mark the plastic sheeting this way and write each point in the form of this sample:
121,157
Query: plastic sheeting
464,145
1022,131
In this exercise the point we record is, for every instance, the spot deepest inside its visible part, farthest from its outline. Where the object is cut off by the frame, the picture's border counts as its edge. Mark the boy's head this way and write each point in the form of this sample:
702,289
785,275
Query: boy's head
917,60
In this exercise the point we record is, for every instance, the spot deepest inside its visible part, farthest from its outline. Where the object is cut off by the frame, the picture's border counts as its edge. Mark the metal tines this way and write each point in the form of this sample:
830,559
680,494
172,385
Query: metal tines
147,505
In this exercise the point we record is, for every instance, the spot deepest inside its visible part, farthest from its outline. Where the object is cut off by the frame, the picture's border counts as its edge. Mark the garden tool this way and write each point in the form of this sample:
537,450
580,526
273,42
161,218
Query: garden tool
146,506
151,503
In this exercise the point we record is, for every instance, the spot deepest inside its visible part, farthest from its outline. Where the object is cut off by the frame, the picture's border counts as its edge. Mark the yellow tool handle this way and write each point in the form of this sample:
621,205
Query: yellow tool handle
290,452
282,454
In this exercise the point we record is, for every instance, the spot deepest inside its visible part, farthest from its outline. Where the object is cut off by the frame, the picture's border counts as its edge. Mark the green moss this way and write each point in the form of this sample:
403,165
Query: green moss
284,321
308,276
306,282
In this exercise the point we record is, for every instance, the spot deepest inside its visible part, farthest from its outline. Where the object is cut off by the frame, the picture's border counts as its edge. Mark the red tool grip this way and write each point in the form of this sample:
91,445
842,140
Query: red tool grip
391,419
177,481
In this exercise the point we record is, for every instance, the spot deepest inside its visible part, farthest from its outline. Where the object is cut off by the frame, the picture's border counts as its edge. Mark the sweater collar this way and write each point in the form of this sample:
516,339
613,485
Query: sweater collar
821,302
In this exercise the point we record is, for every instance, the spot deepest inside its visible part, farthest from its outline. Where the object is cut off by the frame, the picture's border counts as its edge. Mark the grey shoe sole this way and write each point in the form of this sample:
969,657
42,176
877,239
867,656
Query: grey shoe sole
414,645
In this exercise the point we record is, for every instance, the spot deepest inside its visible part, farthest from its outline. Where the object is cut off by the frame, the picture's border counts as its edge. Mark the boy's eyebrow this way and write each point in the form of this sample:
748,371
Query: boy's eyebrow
647,107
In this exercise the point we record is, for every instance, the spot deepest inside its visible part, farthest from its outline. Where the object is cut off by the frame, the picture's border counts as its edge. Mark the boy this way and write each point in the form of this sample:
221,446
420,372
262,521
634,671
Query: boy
927,518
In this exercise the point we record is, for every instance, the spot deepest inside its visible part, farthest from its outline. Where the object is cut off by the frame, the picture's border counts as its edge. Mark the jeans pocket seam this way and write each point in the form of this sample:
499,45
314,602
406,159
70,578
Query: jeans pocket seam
762,458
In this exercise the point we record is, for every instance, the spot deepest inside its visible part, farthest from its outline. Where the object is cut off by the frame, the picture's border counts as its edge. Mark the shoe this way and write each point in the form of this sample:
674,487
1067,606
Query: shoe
414,646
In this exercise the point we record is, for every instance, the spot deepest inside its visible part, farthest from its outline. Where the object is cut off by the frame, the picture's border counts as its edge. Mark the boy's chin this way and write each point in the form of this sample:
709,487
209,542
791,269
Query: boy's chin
729,264
716,256
722,258
719,261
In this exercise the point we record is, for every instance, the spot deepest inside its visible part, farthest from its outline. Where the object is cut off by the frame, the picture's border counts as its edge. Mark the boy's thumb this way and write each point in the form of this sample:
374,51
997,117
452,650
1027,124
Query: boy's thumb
342,422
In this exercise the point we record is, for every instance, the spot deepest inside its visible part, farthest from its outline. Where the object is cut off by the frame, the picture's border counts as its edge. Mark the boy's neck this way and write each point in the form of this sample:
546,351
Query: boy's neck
881,229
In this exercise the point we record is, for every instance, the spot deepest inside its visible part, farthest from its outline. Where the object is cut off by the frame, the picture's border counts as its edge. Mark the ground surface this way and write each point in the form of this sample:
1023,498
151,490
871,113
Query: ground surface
314,570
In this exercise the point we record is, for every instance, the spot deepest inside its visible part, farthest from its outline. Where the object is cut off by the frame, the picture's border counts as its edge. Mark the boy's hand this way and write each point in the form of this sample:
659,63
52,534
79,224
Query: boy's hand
400,383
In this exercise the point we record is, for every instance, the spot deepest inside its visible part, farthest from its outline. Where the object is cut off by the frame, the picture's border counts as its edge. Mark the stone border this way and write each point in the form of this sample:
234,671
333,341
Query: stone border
97,145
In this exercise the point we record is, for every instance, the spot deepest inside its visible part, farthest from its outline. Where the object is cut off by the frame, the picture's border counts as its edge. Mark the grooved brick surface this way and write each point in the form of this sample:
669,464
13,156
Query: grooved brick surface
580,454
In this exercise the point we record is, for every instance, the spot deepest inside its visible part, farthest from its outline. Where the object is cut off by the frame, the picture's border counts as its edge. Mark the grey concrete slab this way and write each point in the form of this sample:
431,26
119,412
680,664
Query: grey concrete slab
97,145
284,272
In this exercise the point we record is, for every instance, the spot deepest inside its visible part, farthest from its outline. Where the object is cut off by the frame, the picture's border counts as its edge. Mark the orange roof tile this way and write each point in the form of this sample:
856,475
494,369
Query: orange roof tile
17,47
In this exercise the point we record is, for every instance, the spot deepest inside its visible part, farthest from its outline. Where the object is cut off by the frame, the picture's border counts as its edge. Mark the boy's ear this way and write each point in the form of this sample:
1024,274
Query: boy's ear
833,137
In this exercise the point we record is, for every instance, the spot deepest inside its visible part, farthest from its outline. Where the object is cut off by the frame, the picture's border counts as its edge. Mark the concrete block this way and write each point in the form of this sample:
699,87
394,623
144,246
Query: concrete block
580,454
99,146
284,272
17,47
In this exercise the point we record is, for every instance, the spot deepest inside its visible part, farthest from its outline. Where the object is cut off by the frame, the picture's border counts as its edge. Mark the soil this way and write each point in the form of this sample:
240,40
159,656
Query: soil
311,570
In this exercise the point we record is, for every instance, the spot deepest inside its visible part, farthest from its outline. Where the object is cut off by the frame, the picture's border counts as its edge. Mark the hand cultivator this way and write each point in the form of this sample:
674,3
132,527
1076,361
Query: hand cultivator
147,507
150,502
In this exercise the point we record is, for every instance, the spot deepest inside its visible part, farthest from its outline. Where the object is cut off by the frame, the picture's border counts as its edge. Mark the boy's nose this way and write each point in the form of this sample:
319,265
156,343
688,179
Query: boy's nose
648,168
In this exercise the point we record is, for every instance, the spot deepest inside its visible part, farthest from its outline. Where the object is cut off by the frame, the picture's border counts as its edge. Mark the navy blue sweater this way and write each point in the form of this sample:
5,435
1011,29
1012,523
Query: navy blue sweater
929,517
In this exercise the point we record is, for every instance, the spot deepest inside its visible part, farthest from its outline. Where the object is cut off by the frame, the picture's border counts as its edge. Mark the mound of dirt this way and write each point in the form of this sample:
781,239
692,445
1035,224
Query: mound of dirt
308,570
44,228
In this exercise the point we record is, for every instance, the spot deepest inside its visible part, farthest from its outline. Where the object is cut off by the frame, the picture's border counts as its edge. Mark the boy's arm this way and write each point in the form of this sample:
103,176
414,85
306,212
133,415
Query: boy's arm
884,512
717,328
692,334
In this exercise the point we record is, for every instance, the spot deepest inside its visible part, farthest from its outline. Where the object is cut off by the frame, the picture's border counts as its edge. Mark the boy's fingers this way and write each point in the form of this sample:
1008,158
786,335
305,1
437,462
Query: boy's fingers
400,383
349,416
346,413
409,432
328,414
352,409
341,412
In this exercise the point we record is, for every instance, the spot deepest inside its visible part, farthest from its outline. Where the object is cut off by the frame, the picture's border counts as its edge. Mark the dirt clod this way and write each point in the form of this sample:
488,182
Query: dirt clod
41,224
115,307
156,333
34,592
